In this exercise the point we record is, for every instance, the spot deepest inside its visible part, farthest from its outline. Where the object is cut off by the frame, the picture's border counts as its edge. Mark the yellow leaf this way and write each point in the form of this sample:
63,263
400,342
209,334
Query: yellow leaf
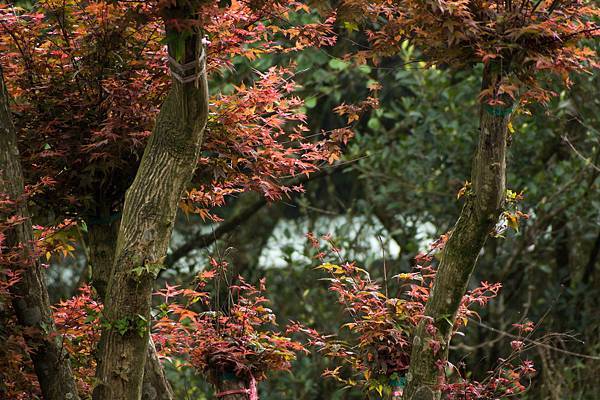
512,221
352,118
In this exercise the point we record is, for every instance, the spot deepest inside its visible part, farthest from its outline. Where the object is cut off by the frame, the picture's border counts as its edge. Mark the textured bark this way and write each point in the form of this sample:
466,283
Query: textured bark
148,216
102,242
478,217
30,295
155,385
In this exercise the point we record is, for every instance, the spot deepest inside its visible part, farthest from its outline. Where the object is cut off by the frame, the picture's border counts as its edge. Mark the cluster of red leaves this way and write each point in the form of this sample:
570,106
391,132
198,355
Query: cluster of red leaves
252,28
257,138
78,322
381,326
504,382
17,378
522,37
237,337
354,111
9,257
88,79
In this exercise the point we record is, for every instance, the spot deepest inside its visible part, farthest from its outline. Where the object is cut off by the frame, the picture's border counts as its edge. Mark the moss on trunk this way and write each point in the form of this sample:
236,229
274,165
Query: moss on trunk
477,219
149,212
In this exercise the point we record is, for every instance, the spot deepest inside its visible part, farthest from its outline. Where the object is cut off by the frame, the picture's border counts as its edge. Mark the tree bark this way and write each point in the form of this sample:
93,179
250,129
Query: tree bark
30,296
233,388
149,211
102,243
155,385
478,217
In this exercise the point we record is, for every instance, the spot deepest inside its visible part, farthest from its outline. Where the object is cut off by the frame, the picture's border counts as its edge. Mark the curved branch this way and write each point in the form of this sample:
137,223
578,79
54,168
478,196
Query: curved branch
202,240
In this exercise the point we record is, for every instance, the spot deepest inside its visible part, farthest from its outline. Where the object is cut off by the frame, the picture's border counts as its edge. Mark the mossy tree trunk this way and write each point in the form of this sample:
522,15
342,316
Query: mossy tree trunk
30,295
149,212
102,243
477,219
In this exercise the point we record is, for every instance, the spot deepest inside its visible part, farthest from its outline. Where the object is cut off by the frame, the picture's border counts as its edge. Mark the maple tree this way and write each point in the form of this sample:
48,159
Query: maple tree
102,64
97,97
382,327
232,345
520,44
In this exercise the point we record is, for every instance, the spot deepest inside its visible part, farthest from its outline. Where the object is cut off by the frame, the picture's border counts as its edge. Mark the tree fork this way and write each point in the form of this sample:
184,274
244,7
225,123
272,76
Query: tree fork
30,294
477,219
149,211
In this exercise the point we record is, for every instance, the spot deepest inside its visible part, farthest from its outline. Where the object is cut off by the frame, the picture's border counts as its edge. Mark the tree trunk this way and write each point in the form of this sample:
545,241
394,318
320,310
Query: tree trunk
149,211
30,295
102,243
155,385
233,388
478,217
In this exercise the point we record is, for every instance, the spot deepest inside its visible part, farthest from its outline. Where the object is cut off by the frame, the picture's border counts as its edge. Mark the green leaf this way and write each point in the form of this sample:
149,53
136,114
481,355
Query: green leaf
374,124
364,68
311,102
350,26
337,64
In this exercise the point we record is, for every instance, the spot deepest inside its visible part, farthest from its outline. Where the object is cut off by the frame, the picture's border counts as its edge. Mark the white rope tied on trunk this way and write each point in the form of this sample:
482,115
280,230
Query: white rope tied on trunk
180,72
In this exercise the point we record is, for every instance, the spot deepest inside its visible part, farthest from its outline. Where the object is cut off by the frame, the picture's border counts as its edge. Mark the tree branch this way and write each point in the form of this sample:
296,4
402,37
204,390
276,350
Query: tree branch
202,240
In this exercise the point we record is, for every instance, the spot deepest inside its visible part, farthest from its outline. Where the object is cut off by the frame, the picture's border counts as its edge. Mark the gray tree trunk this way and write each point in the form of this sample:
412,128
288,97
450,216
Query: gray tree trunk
30,296
148,216
477,219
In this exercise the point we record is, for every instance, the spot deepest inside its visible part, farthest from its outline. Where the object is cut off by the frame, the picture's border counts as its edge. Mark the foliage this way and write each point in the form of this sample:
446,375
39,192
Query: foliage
88,79
519,39
191,329
217,339
83,124
18,378
382,328
78,322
